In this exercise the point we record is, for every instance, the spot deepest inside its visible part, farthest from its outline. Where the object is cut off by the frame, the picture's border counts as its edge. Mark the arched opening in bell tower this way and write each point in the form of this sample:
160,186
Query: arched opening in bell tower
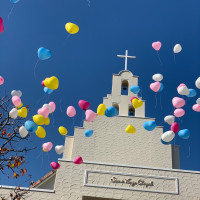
116,105
131,111
124,87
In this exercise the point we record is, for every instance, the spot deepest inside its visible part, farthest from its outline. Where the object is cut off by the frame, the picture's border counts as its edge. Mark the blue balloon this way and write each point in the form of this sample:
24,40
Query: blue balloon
111,112
30,126
88,133
44,54
184,134
161,87
135,89
14,1
150,125
167,143
47,90
192,93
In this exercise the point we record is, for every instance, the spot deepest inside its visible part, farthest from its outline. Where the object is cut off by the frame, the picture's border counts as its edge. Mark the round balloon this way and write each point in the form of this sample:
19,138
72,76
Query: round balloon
177,48
198,101
14,1
62,130
16,100
55,165
30,126
88,133
1,25
175,127
17,93
178,102
192,93
101,109
111,111
71,111
169,119
1,80
168,136
13,113
150,125
135,89
53,106
184,134
71,28
38,119
197,83
40,132
157,77
196,107
43,53
47,90
23,132
78,160
179,112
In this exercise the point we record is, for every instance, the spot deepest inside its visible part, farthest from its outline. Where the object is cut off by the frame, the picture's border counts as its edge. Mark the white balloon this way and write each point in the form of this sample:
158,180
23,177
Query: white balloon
23,132
198,101
13,113
168,136
47,106
59,149
183,90
157,77
169,119
177,48
16,93
197,83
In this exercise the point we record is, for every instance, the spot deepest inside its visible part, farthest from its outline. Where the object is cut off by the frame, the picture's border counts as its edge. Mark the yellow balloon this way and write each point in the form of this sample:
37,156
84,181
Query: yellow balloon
44,150
22,112
19,105
47,121
137,103
41,133
51,83
130,129
62,130
101,109
39,119
71,28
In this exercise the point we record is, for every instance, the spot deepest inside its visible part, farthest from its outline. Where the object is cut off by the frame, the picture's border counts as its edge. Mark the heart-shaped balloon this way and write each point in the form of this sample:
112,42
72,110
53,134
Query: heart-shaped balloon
55,165
40,132
53,106
71,111
59,149
197,83
78,160
1,25
23,112
52,83
16,100
156,45
137,103
47,146
169,119
23,132
179,112
90,115
196,107
44,112
30,126
111,111
175,127
101,109
168,136
183,90
198,101
47,106
150,125
17,93
43,53
130,129
178,102
133,98
13,113
84,105
155,86
135,89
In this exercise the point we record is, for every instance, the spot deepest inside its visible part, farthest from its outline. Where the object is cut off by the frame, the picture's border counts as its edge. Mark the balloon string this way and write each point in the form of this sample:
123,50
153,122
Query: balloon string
160,103
72,123
174,58
66,39
88,2
159,58
156,100
41,98
10,12
35,68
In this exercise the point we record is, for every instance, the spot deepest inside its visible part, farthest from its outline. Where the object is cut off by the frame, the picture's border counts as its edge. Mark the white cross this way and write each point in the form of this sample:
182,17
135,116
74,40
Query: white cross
126,58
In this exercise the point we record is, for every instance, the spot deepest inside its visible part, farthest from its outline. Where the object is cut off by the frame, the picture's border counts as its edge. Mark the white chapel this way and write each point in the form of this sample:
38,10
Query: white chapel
121,166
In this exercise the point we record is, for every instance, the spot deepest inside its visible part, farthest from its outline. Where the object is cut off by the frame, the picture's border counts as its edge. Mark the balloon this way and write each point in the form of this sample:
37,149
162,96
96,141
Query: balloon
55,165
90,115
177,48
59,149
47,90
178,102
23,132
198,101
44,54
14,1
52,83
42,83
30,126
156,45
192,93
157,77
135,89
19,106
53,106
179,112
38,119
17,93
47,146
155,86
197,83
175,127
40,132
88,133
1,80
16,100
78,160
84,105
130,129
184,134
1,25
46,121
71,111
62,130
133,98
13,113
47,106
169,119
161,87
196,107
71,28
111,112
168,136
44,111
182,89
150,125
101,109
167,143
22,112
137,103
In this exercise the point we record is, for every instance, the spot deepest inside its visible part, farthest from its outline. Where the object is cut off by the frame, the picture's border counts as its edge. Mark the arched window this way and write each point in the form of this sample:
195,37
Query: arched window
131,111
124,89
116,106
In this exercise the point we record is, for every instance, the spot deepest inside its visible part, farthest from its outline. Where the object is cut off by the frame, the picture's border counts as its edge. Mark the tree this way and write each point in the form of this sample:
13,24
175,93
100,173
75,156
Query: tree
16,194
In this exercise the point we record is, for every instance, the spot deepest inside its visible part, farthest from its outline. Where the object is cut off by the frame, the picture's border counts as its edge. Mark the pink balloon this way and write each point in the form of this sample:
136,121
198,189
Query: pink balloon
181,85
84,105
16,100
71,111
90,115
52,105
133,98
1,80
179,112
175,127
1,25
43,83
47,146
55,165
196,107
156,45
178,102
44,112
155,86
78,160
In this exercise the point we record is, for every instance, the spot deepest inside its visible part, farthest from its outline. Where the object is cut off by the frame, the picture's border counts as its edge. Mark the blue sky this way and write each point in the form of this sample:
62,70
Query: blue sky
85,62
